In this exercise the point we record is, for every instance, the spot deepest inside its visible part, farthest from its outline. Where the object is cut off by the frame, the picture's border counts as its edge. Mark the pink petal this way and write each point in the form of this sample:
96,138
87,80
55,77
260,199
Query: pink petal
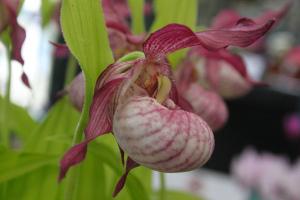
130,164
168,39
99,124
243,34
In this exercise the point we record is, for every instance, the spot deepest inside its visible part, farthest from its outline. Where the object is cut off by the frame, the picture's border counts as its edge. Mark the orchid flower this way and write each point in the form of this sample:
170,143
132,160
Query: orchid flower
272,176
137,101
122,40
228,18
8,20
223,72
205,103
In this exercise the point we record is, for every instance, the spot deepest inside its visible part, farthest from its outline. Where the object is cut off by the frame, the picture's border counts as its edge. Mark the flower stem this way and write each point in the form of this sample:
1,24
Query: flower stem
6,103
72,179
162,191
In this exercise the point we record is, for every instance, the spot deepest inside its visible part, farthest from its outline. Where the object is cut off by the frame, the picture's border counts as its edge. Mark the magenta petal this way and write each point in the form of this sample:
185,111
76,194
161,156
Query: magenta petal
169,39
130,164
72,157
243,34
99,110
174,37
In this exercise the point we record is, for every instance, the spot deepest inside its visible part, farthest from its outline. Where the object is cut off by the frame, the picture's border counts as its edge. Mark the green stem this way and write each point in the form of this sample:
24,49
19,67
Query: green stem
6,104
71,70
162,191
72,179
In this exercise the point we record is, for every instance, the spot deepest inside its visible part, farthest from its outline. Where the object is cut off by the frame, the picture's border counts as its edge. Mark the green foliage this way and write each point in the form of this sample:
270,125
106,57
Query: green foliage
175,11
137,16
85,34
18,121
54,135
47,10
31,173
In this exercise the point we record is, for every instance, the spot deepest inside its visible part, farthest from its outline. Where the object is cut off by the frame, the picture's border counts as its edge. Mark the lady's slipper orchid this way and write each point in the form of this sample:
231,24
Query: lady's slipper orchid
138,102
121,39
223,72
8,20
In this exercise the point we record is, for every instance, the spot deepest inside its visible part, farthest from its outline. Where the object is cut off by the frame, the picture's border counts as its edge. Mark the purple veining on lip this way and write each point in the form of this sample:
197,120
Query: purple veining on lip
183,138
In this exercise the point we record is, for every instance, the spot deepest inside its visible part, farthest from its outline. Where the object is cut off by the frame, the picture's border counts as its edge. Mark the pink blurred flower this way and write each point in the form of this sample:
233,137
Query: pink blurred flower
291,125
272,176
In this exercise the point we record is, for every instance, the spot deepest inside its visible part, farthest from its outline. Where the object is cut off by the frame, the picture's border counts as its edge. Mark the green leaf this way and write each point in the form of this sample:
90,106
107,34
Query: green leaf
14,165
104,152
19,121
54,134
47,10
85,33
175,11
92,183
137,16
39,184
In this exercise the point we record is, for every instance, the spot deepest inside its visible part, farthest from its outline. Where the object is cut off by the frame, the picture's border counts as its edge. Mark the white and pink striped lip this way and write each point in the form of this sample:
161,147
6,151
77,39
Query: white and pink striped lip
163,139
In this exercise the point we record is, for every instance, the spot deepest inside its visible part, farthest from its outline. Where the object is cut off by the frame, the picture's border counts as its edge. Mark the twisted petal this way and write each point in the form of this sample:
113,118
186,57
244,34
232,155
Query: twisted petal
99,125
130,164
162,138
17,33
229,18
174,37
